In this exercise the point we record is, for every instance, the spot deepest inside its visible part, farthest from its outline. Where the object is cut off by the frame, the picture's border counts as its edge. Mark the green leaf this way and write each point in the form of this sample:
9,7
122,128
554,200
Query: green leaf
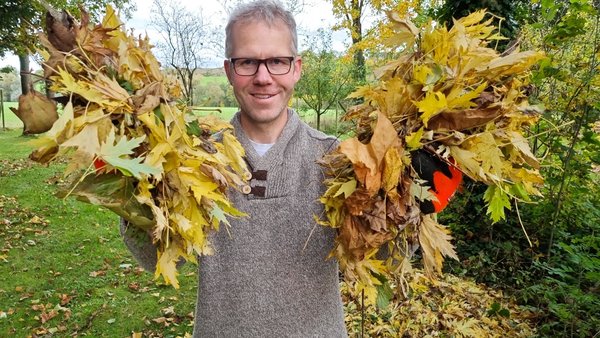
518,190
497,200
193,128
384,291
113,192
384,295
117,155
217,216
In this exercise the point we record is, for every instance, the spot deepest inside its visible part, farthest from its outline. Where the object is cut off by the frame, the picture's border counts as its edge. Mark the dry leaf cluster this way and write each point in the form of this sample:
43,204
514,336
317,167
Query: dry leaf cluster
450,93
448,307
132,148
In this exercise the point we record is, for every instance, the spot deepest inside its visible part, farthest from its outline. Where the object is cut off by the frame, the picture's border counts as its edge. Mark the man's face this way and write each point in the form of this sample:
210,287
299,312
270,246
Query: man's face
263,97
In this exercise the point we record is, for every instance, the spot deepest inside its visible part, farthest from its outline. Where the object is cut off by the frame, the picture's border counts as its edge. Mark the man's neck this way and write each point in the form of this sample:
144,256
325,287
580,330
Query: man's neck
265,133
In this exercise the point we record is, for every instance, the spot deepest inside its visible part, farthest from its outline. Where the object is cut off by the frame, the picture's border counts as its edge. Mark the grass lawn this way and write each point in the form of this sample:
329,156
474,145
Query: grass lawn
65,269
213,79
10,119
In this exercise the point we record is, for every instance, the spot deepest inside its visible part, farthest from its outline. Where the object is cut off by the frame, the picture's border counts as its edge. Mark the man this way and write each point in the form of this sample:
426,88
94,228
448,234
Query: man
270,277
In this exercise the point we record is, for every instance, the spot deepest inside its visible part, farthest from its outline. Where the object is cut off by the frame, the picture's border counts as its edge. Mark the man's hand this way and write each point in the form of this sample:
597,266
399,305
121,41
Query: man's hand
443,178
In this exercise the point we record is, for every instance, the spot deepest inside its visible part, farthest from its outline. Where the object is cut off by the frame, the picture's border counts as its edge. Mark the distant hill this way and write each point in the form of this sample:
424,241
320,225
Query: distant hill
212,71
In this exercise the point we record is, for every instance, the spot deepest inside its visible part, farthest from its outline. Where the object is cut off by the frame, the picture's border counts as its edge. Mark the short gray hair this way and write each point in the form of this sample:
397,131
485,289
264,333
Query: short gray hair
267,11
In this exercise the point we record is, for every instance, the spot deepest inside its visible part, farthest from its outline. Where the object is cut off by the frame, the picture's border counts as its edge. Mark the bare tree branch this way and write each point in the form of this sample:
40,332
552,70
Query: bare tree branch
183,36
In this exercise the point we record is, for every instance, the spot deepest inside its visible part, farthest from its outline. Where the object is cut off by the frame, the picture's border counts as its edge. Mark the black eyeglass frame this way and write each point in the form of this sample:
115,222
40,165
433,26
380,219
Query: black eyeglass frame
262,61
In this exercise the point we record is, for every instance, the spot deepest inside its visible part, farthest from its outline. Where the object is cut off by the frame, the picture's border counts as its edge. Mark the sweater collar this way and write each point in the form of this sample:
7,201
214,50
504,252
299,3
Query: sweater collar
274,155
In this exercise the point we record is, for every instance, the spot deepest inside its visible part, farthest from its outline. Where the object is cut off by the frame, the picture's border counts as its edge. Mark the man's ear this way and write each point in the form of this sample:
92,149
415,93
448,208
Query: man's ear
228,70
297,68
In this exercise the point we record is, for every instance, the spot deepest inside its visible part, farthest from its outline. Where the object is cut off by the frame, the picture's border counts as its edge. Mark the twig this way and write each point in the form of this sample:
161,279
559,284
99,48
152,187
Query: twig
521,222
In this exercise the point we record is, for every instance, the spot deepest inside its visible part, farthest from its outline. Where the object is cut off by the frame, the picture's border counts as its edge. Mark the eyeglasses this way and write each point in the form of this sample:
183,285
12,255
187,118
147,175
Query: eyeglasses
279,65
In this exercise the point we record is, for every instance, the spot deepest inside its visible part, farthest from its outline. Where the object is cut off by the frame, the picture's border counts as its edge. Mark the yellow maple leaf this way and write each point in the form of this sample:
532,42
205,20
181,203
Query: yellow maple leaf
513,63
435,243
487,152
392,168
432,104
166,265
111,19
235,154
461,98
405,32
413,140
467,161
111,93
86,140
346,188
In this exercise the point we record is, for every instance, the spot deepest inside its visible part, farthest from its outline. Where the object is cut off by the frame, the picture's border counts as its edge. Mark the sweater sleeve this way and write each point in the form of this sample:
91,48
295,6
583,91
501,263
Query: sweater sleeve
140,244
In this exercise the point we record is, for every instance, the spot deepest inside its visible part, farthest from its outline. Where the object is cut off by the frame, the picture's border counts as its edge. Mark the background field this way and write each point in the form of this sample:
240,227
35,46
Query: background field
10,119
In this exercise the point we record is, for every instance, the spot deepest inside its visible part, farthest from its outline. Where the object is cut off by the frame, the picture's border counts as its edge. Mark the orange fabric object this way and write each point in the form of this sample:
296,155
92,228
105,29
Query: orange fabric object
445,187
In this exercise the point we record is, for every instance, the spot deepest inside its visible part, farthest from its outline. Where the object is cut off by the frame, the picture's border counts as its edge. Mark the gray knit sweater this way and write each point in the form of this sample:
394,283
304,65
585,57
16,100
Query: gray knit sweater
271,277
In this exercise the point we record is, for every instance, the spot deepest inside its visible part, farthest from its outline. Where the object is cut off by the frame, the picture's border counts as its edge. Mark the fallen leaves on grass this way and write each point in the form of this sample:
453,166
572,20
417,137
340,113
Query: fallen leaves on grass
17,226
171,318
98,273
12,167
449,306
49,311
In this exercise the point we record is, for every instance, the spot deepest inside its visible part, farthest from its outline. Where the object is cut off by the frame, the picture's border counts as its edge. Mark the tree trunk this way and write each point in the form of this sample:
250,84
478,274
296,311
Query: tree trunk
319,120
25,73
359,72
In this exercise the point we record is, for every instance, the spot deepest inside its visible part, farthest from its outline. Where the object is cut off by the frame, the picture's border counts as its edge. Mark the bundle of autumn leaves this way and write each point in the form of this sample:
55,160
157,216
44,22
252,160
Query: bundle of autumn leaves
132,148
448,93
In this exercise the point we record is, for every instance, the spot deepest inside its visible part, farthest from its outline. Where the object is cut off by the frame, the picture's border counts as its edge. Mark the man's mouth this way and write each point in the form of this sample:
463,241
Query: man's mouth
263,96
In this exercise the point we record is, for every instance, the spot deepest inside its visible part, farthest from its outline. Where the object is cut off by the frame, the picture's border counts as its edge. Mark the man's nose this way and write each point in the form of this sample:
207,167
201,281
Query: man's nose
262,73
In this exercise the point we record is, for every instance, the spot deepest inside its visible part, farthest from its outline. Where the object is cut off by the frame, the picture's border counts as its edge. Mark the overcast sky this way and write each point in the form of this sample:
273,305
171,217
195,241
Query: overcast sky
316,14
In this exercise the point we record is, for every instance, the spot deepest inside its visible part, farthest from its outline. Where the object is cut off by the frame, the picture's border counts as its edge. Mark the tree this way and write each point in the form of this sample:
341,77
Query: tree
325,78
352,15
509,14
9,83
183,33
20,19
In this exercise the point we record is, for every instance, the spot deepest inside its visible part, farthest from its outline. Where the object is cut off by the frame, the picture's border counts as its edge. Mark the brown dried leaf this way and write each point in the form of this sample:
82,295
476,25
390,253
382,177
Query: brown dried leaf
377,216
350,237
368,158
65,299
37,112
464,119
46,316
98,273
61,30
358,201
